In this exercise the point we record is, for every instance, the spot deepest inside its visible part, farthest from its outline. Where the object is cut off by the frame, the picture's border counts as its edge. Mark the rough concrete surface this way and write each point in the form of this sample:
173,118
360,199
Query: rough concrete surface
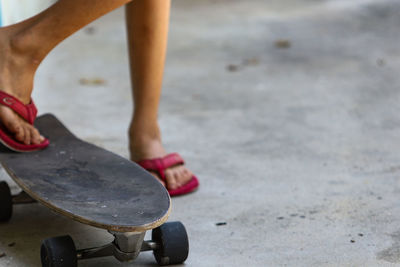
288,112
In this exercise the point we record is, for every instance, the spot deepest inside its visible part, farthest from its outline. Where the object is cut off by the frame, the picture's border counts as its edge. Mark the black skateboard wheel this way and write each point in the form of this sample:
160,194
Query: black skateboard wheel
58,252
173,243
5,202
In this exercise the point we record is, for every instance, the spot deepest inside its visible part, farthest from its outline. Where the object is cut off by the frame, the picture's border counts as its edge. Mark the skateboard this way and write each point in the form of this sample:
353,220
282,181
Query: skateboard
96,187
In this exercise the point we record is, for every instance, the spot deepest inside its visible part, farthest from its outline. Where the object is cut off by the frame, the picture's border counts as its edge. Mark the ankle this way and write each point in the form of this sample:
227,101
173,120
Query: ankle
22,46
18,64
145,142
144,129
141,141
146,150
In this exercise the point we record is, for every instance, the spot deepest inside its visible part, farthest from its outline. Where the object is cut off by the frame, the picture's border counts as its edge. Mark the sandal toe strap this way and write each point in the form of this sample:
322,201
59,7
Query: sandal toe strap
159,165
27,112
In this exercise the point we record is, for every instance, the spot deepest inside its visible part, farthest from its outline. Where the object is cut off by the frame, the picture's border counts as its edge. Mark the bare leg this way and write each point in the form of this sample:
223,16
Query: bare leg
23,46
147,24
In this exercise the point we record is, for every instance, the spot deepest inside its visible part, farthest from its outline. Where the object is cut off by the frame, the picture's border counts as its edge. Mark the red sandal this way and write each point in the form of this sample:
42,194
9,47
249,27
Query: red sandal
159,165
28,113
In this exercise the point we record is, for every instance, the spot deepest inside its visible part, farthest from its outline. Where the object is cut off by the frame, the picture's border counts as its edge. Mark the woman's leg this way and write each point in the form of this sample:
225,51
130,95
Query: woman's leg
147,25
23,46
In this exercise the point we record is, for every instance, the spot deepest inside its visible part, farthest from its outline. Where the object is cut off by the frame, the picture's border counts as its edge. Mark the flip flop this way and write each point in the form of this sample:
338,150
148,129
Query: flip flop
28,113
159,165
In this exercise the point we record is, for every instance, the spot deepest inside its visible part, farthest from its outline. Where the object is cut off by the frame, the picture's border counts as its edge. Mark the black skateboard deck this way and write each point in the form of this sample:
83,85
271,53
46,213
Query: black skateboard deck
87,183
96,187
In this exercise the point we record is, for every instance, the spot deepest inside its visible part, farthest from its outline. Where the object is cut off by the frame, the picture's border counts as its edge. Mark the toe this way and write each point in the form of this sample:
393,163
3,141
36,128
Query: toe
13,126
186,175
178,174
177,177
19,133
22,131
28,137
35,136
171,179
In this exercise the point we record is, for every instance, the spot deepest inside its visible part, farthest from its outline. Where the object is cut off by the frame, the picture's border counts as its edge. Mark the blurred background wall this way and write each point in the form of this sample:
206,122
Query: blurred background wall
12,11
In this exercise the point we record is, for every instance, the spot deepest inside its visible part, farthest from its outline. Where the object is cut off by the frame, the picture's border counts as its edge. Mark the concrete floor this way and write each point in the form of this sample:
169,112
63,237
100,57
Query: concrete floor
288,112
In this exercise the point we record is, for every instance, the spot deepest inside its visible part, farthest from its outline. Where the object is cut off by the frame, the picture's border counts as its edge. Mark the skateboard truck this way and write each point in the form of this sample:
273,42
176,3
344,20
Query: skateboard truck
22,198
169,244
125,247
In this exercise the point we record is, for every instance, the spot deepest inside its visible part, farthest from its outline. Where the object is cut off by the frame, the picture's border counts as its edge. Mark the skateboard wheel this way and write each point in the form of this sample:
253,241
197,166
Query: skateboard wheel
58,252
173,243
5,202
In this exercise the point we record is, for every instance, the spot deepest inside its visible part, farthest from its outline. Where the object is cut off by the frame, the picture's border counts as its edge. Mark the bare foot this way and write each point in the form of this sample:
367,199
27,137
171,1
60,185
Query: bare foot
149,146
17,70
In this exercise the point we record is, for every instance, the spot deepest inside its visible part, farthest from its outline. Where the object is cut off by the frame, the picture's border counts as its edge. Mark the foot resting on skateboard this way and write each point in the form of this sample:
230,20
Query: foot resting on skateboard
17,111
16,127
